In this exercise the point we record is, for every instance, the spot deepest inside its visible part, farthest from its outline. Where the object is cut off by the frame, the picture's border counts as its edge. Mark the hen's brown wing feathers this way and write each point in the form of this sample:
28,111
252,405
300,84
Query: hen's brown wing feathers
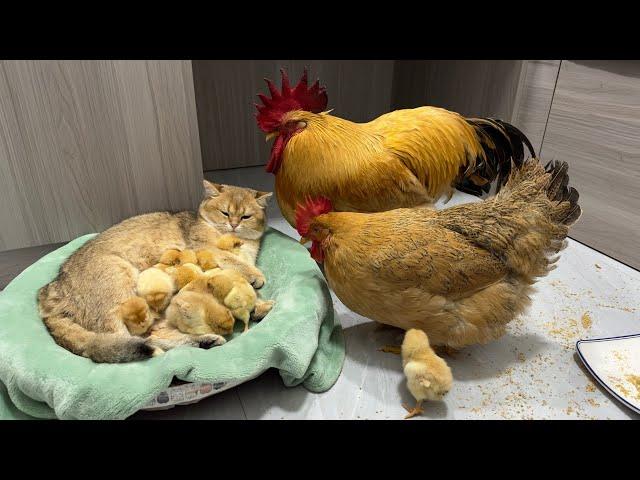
428,256
523,225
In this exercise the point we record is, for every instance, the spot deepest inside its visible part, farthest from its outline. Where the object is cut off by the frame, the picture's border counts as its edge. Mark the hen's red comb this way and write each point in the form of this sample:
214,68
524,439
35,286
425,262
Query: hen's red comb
300,97
309,210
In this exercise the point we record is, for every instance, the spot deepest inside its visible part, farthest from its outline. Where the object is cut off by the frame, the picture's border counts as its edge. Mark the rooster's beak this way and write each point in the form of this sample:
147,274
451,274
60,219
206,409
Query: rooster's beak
304,240
271,135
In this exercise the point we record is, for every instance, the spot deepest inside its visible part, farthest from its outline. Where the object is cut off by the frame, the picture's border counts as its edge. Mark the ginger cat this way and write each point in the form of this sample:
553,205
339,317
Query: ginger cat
91,308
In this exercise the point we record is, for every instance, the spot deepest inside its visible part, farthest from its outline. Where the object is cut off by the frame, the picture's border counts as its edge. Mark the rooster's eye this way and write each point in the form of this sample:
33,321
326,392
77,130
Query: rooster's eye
301,125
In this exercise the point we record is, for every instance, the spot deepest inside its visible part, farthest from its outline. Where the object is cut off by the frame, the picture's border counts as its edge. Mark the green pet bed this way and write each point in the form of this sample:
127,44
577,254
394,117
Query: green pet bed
299,337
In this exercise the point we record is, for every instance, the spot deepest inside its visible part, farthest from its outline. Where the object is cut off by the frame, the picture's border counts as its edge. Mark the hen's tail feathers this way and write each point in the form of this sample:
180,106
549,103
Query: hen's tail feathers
558,190
531,179
502,146
99,347
526,224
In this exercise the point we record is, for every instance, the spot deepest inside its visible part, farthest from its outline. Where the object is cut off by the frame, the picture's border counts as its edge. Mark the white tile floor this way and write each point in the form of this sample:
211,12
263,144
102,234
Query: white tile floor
532,372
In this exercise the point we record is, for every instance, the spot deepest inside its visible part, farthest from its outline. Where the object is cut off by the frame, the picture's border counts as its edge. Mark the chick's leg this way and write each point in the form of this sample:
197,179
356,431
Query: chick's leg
417,410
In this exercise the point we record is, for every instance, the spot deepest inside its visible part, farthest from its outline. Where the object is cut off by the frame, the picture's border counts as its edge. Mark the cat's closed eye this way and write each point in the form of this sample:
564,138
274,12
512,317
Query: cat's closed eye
224,213
244,217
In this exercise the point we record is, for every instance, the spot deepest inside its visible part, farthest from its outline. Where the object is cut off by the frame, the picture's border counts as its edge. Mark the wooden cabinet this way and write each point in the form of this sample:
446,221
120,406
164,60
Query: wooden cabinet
594,124
226,91
534,97
587,113
477,88
86,144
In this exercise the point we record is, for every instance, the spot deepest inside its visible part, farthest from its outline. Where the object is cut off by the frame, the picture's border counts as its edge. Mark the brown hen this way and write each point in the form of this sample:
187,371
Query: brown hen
459,274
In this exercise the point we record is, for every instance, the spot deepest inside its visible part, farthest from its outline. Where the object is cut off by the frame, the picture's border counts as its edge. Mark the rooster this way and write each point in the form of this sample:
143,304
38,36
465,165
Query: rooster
404,158
459,274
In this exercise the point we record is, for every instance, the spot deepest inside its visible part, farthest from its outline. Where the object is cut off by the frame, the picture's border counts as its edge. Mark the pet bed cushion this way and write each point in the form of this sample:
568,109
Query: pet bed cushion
299,337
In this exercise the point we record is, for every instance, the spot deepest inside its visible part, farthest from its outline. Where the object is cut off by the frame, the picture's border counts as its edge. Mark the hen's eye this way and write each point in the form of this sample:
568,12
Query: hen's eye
301,125
224,213
244,217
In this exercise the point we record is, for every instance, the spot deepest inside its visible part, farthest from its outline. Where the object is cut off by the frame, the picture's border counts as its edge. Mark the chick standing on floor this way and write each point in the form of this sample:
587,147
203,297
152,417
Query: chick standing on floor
428,376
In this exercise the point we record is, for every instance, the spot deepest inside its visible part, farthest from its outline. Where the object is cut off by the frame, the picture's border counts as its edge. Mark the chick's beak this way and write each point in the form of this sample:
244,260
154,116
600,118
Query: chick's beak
271,135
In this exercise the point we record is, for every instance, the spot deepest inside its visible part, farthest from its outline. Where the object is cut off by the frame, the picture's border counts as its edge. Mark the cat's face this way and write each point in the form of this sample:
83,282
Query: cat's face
235,210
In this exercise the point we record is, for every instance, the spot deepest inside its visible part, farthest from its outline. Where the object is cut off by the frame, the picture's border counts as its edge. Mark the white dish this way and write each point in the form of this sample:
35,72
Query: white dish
615,363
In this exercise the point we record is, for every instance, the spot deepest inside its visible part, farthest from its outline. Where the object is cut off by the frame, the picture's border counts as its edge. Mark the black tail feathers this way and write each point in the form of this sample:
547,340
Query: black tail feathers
502,145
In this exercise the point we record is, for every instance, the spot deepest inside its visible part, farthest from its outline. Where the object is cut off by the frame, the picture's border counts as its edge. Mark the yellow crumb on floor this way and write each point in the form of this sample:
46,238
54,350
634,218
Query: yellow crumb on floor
592,402
590,388
598,266
616,307
623,389
521,357
586,320
635,381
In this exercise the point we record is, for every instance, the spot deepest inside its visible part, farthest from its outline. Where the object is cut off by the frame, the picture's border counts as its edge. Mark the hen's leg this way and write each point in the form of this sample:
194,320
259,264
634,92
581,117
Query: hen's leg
397,349
446,350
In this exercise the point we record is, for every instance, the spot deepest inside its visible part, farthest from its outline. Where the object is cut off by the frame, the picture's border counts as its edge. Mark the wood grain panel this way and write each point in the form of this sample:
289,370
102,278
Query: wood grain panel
595,125
486,88
226,91
534,102
85,144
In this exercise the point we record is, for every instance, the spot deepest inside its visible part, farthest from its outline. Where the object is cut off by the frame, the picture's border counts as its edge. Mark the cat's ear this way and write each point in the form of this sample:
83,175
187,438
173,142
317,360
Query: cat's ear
262,198
211,189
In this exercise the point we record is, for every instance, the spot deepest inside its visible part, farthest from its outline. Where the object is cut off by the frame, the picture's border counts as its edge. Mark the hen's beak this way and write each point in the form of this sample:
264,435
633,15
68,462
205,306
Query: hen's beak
304,241
271,135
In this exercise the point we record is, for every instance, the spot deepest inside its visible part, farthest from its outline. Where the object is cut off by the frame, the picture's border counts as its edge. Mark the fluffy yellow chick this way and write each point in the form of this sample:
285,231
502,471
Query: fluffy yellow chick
156,286
183,274
207,258
178,257
229,242
199,313
158,283
234,292
428,376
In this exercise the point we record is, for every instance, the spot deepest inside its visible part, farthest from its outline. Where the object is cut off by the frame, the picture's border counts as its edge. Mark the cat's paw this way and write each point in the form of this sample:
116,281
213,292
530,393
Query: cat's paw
210,340
256,279
262,308
136,315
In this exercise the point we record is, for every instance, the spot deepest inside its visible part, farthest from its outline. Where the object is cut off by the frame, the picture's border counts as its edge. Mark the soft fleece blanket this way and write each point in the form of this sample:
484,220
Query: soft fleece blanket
299,337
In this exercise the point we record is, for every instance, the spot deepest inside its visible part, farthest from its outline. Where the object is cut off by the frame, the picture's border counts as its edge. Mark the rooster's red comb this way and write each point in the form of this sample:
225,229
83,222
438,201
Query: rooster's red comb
301,97
309,210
